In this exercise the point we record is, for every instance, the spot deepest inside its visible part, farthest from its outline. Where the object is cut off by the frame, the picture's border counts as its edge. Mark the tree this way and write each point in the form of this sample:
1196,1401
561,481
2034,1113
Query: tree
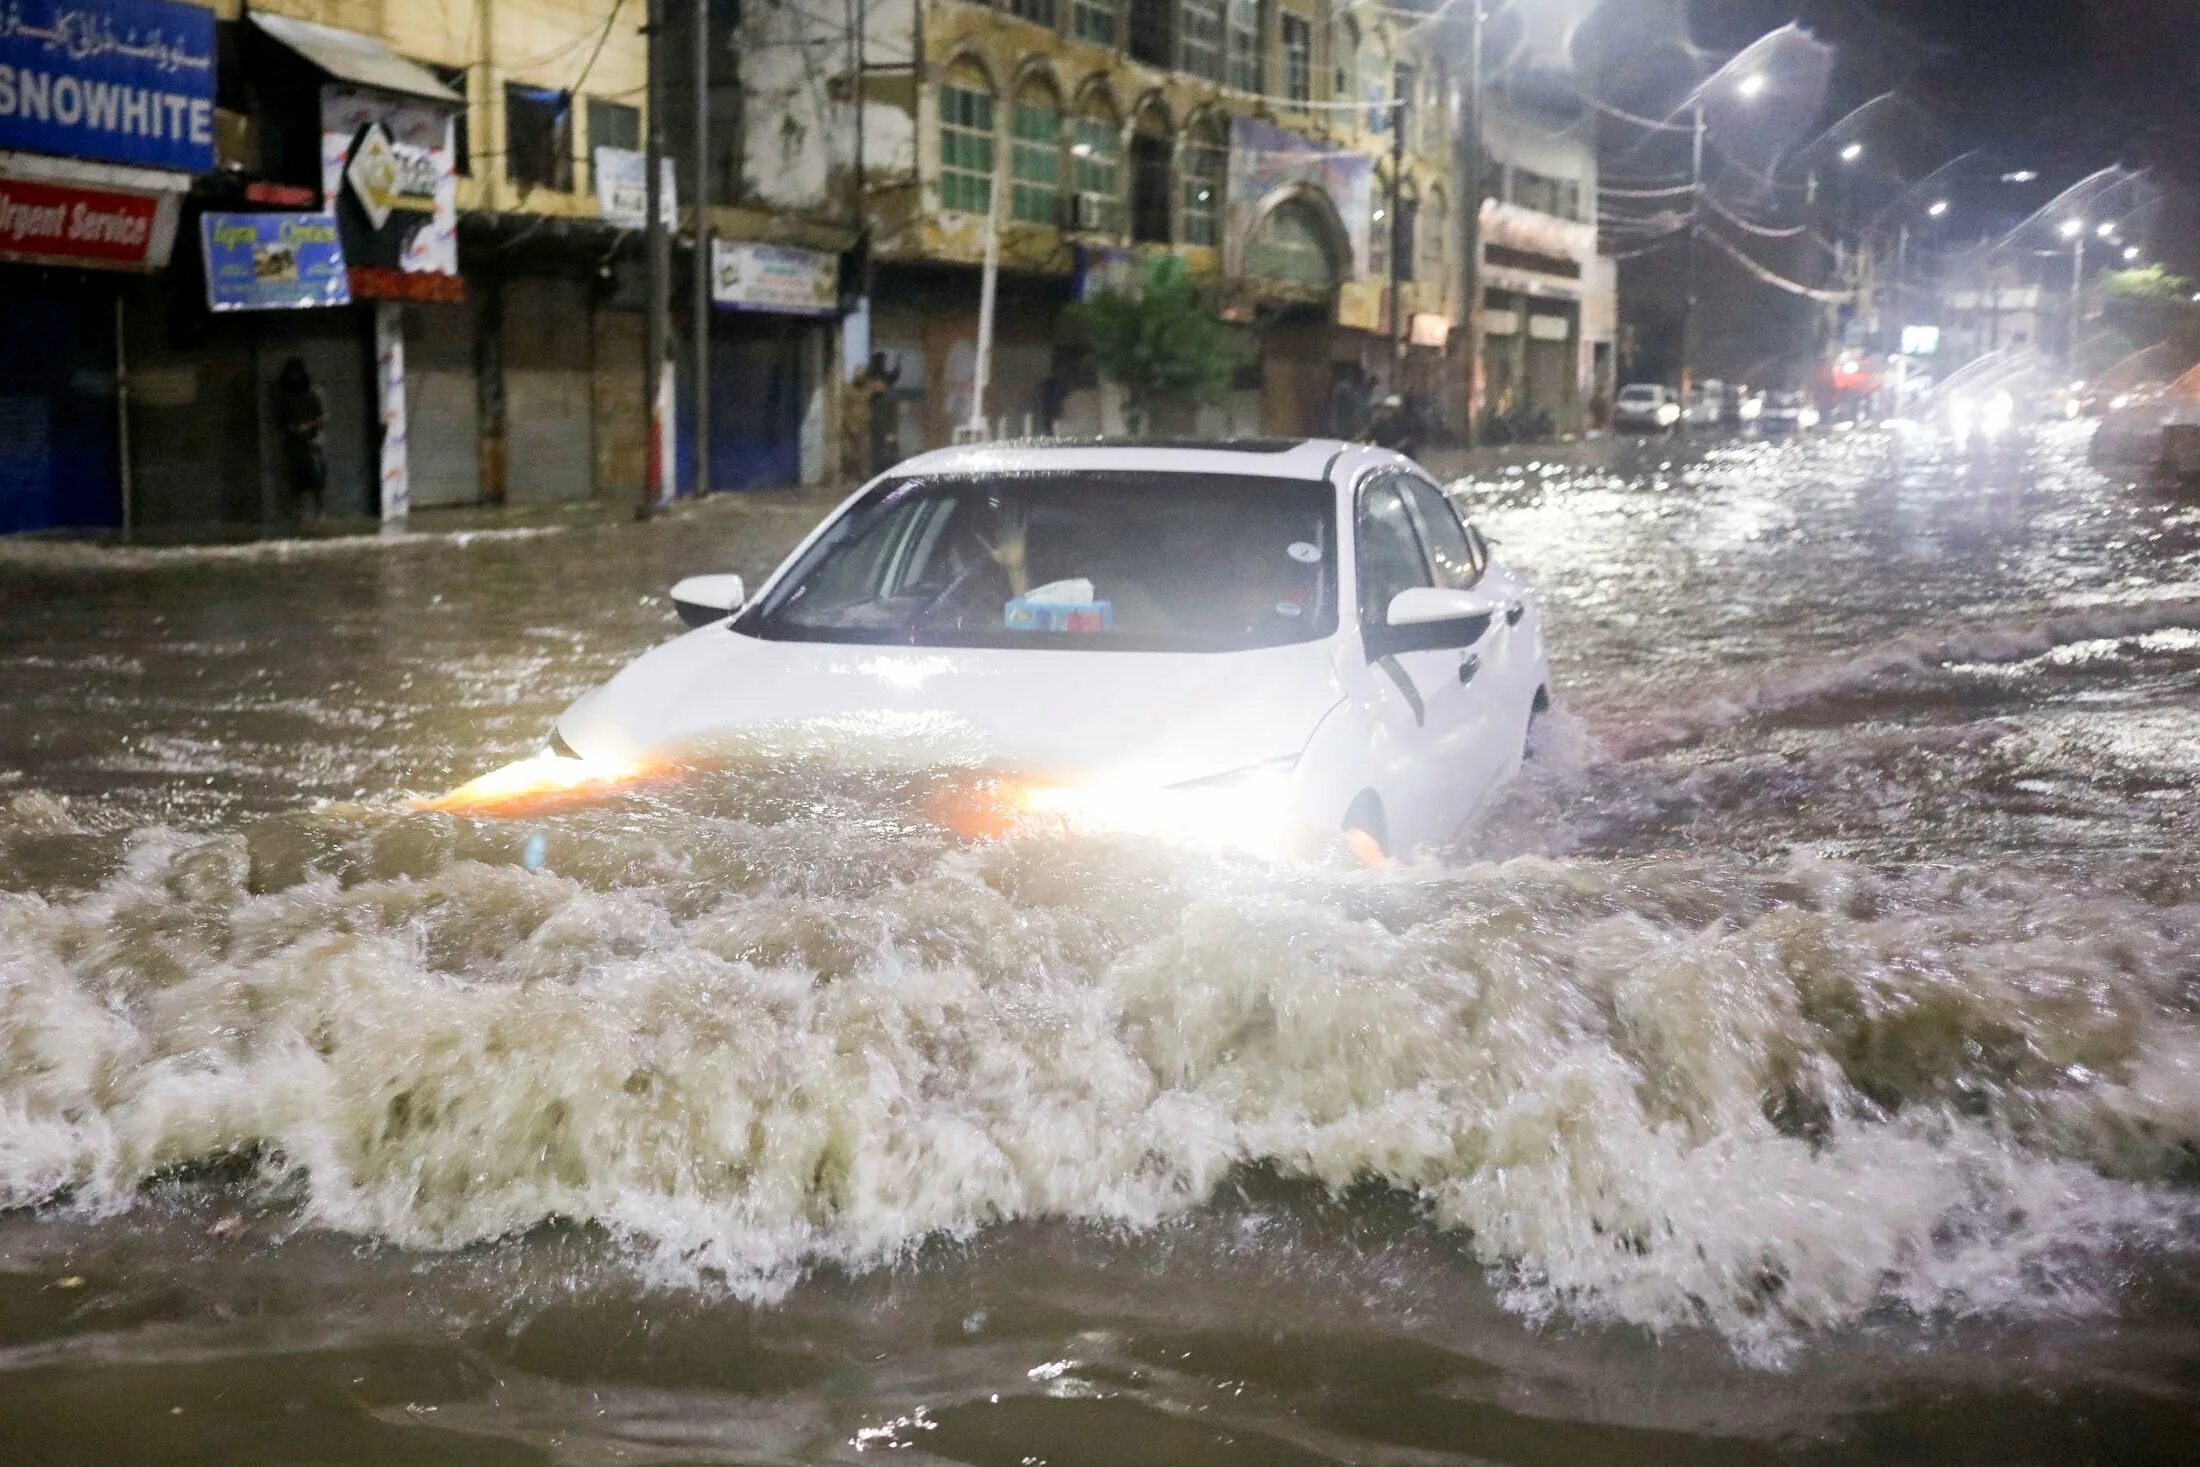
1162,345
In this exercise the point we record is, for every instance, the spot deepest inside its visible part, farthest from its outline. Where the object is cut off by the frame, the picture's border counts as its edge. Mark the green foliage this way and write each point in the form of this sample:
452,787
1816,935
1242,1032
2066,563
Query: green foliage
1164,347
2148,283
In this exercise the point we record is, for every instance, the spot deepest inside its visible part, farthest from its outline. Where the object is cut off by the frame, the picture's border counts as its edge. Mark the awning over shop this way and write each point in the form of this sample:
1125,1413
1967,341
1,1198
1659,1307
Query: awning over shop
350,57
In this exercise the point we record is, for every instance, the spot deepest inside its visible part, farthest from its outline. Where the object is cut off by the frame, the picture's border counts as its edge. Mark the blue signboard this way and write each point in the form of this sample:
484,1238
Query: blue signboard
123,81
273,262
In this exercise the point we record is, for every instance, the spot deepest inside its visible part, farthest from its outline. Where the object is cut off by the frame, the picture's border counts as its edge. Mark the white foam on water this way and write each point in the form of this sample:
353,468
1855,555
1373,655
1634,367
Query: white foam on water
1664,1092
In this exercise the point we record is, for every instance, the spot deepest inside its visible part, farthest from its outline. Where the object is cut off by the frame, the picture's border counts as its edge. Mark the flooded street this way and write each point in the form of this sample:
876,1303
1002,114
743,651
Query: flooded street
1801,1061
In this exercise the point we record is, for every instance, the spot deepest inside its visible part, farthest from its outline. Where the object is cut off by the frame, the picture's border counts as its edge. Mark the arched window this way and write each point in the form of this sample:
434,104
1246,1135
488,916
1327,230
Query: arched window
1096,158
1290,247
1035,155
1203,159
1153,146
966,141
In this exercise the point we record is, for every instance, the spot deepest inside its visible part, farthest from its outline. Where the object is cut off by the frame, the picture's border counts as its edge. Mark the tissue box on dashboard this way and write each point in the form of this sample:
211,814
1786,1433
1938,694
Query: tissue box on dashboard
1024,615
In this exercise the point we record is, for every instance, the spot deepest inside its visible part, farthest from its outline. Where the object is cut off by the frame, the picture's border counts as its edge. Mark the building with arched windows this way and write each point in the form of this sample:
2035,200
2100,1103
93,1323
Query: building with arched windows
1079,138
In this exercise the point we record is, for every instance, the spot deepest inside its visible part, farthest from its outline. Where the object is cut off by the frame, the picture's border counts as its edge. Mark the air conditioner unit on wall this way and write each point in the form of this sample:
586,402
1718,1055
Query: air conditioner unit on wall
1087,211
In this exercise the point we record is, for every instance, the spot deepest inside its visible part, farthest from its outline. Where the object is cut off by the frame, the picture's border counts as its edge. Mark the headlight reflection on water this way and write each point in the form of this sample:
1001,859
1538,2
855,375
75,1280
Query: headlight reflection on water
1248,810
526,782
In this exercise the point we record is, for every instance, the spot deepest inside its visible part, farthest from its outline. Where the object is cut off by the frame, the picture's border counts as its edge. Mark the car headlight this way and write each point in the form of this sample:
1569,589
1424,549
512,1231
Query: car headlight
1242,809
1669,414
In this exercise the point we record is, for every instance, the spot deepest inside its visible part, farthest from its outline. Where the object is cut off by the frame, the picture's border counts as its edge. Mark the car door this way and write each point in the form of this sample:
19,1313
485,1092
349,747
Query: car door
1484,711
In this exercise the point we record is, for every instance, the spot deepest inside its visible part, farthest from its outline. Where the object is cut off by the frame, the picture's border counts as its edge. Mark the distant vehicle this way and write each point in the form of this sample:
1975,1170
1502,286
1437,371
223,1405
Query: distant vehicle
1645,407
2133,431
1787,413
1718,407
1298,640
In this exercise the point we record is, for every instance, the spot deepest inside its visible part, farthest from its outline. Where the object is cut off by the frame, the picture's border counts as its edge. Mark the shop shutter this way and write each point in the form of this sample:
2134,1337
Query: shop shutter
547,390
442,405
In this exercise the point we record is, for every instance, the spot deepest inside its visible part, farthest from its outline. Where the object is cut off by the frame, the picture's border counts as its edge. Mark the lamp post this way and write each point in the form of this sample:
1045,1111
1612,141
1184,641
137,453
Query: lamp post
2074,231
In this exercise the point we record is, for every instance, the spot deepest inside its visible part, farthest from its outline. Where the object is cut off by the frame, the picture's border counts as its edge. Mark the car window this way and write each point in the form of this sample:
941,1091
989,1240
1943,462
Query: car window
1446,539
1084,560
1390,552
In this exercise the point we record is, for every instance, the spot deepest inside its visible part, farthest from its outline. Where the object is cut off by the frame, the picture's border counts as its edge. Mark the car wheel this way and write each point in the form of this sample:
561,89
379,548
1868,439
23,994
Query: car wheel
1366,833
1536,709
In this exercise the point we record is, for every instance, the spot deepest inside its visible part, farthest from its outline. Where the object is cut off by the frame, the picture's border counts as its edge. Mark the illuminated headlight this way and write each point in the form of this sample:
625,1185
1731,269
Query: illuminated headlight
524,784
1669,414
2119,402
1995,415
1752,409
1244,809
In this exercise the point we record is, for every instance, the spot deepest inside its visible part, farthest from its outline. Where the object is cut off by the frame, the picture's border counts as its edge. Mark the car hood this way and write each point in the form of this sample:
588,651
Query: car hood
1167,716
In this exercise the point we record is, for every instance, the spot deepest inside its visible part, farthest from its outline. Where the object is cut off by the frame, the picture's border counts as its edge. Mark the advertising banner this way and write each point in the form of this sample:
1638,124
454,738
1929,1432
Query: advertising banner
619,197
123,81
762,277
388,175
273,262
1265,158
68,224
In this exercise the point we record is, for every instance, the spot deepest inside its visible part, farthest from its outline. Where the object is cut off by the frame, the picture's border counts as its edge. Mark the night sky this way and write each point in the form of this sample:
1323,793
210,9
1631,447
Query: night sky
2062,87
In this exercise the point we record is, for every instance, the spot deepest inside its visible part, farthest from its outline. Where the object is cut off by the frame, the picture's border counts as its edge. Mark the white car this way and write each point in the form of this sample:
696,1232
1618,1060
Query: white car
1645,407
1260,642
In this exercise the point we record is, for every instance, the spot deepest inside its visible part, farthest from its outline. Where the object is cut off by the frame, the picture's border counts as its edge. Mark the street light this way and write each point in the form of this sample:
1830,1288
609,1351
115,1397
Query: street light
2131,253
1938,208
1752,85
2072,228
2022,175
2106,228
1852,152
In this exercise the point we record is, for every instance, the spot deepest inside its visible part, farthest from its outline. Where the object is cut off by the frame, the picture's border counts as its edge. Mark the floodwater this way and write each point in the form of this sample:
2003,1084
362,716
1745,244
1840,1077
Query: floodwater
1802,1062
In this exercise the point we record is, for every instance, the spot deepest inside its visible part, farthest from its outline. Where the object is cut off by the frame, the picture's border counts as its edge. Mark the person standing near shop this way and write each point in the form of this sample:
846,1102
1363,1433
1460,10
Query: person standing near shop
301,414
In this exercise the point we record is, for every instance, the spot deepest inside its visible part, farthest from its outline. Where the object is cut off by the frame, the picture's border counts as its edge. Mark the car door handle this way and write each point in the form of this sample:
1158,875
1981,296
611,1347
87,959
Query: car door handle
1469,665
1514,612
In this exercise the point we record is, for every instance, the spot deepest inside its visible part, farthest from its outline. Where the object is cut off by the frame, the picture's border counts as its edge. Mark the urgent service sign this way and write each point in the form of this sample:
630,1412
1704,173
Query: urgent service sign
65,224
123,81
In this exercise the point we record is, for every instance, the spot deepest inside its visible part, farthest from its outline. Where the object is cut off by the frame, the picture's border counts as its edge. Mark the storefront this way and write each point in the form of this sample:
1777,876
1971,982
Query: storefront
97,148
772,338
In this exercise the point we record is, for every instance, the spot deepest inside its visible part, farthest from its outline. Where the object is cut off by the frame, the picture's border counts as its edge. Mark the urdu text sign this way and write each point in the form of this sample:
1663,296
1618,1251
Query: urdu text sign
123,81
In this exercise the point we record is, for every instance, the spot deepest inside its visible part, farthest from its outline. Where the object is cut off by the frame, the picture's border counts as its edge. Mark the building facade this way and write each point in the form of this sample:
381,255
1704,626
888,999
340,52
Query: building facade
1300,156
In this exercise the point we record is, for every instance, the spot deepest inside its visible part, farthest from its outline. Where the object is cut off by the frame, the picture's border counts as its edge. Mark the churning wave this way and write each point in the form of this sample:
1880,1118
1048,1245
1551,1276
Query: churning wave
1666,1091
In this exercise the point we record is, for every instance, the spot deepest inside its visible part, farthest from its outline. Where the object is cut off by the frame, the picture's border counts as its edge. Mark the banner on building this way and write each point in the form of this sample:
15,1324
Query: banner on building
619,198
776,278
58,223
1428,329
1265,159
388,175
1360,305
124,81
273,262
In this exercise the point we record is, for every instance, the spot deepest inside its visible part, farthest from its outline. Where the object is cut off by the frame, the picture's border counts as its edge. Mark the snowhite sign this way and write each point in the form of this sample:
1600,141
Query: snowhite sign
124,81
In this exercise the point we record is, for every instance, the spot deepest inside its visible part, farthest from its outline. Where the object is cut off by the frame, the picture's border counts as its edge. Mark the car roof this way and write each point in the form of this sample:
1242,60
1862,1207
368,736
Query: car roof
1267,458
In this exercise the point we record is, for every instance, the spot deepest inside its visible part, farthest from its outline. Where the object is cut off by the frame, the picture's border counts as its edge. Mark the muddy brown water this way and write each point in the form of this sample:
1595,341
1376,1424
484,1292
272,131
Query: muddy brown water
1800,1063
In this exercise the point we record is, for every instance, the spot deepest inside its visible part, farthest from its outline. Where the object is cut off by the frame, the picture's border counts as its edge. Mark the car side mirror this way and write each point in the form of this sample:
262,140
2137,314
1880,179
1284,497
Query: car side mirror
702,600
1422,605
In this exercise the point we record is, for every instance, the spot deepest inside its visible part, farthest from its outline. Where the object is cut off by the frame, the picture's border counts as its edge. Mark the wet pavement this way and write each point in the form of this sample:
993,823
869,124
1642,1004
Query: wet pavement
1801,1062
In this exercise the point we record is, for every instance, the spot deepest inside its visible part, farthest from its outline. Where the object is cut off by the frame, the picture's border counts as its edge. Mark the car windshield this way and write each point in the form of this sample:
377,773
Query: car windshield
1639,394
1086,560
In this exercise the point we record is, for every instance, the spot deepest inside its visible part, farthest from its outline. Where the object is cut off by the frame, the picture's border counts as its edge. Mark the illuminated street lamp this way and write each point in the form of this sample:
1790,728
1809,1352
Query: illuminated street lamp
2131,253
1752,85
2106,228
2022,175
1852,152
2072,228
1938,208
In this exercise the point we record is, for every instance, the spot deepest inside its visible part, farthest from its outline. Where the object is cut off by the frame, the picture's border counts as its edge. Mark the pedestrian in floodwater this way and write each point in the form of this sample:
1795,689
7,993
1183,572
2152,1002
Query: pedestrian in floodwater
301,413
870,438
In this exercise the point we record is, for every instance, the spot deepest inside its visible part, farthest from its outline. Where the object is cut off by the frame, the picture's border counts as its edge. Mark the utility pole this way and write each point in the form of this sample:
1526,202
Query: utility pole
989,280
2077,290
1469,194
704,265
1397,272
654,475
1695,225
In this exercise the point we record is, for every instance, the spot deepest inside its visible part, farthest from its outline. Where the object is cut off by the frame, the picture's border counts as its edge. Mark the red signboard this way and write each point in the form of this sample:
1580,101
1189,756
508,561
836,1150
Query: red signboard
75,225
381,283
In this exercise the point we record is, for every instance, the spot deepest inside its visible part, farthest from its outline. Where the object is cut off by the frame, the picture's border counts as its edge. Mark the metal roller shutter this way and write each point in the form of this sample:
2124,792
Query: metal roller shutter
442,405
547,390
